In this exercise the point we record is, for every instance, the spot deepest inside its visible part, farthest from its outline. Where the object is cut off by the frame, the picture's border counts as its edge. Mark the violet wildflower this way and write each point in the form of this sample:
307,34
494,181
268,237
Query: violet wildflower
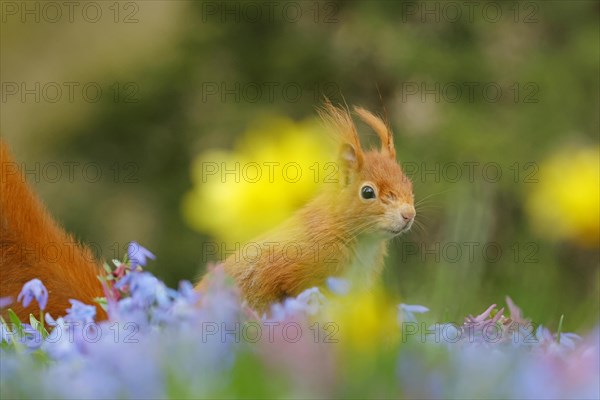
127,309
312,299
569,340
146,289
186,290
221,299
515,312
338,285
5,334
80,312
185,300
406,312
138,255
549,343
60,344
289,308
34,289
309,302
483,318
5,301
32,338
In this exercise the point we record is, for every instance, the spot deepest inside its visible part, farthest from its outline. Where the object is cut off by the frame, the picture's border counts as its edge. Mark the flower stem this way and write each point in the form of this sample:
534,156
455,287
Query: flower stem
560,323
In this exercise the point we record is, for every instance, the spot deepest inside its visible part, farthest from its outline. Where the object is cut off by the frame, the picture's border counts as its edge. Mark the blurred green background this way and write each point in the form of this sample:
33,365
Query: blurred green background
179,78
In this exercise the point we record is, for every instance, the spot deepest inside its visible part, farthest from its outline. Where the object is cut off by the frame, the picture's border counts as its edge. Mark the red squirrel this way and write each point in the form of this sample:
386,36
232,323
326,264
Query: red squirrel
33,245
343,231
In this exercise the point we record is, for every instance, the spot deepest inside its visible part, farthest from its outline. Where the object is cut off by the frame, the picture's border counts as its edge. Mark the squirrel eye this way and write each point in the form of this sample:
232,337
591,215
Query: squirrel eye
367,192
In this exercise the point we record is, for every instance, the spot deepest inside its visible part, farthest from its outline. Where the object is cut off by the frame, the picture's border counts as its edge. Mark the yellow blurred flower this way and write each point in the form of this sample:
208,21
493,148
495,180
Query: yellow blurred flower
565,203
367,321
272,170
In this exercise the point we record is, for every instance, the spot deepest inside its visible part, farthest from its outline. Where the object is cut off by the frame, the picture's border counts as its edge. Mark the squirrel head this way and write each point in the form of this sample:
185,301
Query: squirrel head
375,195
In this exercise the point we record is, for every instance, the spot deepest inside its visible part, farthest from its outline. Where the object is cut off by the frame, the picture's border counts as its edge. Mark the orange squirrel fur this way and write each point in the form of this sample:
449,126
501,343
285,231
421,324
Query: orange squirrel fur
341,232
33,245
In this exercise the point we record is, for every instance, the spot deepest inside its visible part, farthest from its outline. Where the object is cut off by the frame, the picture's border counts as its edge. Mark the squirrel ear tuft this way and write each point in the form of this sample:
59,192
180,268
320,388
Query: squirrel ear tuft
382,130
351,153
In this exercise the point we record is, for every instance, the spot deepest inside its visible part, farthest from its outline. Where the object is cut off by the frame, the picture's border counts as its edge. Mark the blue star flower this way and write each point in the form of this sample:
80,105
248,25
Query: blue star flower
406,312
80,312
338,285
5,301
31,337
138,254
34,289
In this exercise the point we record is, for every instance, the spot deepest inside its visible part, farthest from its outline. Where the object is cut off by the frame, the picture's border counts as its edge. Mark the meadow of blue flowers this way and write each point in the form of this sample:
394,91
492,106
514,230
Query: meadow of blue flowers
164,343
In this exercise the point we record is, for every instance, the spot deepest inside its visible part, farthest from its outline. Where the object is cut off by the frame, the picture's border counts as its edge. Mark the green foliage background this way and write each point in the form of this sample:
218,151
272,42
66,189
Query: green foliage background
364,50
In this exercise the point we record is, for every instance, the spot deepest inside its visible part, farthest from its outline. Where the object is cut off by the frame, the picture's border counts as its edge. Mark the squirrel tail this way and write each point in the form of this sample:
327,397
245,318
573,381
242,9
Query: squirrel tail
33,245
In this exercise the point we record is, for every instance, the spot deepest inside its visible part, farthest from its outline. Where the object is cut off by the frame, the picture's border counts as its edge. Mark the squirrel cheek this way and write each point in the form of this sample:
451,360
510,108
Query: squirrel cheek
391,220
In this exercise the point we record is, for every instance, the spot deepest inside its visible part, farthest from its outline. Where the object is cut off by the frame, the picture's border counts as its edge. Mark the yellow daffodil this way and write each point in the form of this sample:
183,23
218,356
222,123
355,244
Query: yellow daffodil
565,203
367,321
272,170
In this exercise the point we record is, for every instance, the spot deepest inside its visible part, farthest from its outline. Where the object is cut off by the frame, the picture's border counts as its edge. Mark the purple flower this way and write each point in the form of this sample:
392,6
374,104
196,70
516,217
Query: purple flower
80,312
185,299
34,289
138,254
31,338
569,340
549,342
186,291
60,342
5,334
406,312
338,285
309,302
312,300
146,289
5,301
483,318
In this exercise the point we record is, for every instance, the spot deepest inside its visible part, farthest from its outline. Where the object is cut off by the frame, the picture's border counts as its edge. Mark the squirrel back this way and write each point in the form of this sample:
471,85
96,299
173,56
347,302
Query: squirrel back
33,245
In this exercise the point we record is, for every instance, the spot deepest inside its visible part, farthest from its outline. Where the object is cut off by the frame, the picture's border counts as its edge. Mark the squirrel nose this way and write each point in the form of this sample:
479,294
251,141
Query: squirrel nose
408,212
